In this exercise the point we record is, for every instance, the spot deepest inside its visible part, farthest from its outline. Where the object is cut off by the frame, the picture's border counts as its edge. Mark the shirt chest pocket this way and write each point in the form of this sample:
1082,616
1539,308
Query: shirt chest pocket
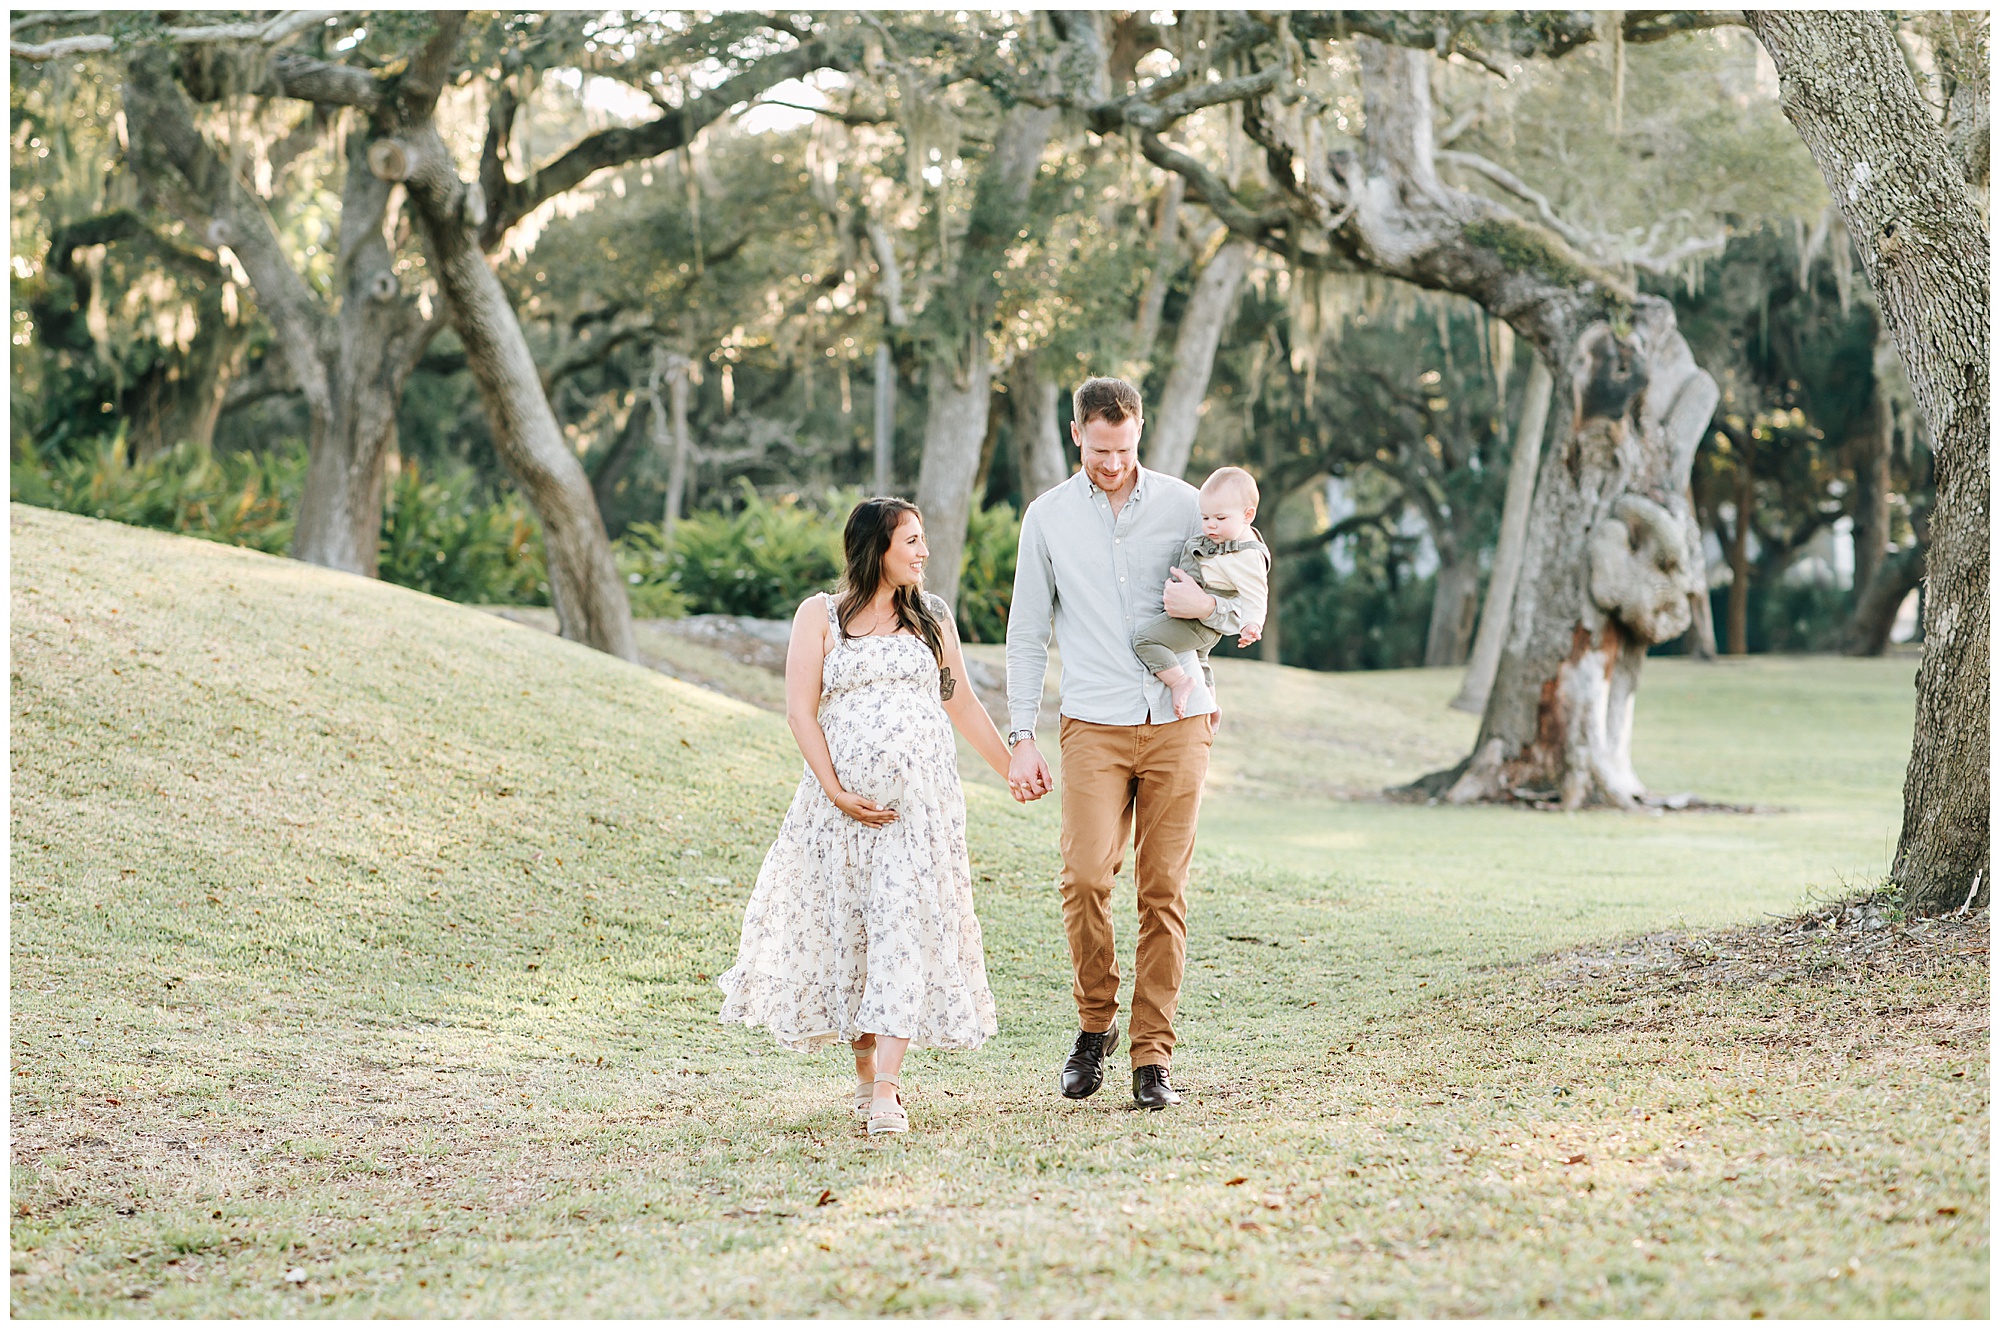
1153,559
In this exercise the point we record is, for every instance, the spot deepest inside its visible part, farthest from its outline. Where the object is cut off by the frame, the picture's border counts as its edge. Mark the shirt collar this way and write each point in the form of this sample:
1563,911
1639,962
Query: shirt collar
1138,487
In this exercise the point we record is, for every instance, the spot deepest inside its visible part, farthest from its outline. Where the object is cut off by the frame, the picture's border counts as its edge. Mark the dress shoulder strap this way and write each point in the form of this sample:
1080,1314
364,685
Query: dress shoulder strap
833,615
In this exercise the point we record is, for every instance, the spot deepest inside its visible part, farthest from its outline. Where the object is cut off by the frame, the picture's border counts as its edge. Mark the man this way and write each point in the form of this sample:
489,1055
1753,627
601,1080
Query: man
1095,557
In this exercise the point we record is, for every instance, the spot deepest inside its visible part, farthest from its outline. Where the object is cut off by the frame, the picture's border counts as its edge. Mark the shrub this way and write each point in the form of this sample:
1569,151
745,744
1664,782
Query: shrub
440,536
986,576
759,561
237,498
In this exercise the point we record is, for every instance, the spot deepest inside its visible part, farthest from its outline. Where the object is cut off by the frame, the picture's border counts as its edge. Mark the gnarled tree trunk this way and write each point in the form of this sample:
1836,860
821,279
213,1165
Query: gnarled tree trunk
584,585
1904,195
349,366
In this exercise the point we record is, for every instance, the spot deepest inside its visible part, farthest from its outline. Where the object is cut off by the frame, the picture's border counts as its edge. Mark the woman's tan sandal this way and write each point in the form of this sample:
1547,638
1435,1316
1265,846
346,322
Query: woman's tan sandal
888,1119
864,1098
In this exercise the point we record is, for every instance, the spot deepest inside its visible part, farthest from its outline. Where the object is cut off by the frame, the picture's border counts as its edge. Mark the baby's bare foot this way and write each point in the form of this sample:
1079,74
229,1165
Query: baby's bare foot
1182,691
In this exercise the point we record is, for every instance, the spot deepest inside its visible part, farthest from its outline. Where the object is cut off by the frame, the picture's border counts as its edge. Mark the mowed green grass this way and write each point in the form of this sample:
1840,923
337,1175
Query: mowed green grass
369,940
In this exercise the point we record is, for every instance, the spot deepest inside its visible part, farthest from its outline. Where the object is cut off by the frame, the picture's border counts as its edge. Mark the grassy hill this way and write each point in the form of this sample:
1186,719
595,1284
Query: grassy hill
362,957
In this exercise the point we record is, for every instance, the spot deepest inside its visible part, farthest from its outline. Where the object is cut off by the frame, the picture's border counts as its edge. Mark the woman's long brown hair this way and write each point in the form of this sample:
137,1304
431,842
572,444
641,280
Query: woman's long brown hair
870,528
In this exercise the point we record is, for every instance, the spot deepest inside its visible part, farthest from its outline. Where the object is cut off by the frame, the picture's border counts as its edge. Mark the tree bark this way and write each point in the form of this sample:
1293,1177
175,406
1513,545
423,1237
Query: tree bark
584,585
1166,243
1040,460
959,366
1521,469
1844,85
1453,605
957,401
1179,415
349,367
672,435
885,419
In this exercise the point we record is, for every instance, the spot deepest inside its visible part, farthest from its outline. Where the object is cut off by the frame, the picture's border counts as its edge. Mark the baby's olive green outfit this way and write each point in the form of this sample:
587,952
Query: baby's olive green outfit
1160,639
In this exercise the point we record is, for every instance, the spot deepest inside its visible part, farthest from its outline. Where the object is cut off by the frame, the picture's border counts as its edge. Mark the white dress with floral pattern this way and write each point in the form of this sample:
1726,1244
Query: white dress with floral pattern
855,930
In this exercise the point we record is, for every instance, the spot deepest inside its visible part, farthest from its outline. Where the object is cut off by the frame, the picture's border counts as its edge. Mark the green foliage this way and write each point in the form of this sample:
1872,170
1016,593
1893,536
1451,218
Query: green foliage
760,560
1367,620
236,498
986,577
764,558
441,536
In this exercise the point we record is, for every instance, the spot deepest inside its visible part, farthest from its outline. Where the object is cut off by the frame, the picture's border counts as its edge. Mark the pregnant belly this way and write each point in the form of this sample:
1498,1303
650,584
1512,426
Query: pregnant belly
877,752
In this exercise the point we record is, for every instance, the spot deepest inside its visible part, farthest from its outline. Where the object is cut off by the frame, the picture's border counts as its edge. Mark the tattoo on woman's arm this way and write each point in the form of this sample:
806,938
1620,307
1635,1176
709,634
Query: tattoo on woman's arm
946,684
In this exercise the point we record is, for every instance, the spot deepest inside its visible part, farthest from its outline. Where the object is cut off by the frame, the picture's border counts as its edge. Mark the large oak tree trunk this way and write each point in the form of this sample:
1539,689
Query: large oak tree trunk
958,399
350,368
340,504
1038,445
959,369
584,585
1178,418
1612,552
1846,87
1612,556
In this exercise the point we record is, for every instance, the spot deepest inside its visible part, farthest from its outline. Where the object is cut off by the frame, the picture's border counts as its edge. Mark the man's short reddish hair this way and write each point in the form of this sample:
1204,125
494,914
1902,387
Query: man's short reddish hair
1107,399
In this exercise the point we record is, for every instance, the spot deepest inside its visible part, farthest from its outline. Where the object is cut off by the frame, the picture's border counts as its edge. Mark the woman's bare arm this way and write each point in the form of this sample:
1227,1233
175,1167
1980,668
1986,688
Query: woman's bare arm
962,704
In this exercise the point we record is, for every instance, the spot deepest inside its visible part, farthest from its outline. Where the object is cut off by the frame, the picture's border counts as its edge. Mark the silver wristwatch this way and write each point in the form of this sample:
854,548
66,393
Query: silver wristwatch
1016,736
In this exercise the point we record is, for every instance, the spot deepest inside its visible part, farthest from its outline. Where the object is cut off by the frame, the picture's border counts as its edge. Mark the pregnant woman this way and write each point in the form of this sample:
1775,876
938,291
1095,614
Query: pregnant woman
860,929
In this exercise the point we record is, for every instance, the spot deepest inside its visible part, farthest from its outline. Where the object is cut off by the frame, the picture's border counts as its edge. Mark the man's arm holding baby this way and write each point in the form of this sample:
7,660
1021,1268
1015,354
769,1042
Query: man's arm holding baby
1184,599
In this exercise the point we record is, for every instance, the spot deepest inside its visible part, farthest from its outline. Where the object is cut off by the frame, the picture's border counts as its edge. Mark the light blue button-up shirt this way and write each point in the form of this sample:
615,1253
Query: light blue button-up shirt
1093,579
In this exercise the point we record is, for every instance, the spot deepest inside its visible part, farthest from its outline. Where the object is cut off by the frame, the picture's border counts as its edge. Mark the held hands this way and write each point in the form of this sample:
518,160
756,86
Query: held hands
865,811
1028,776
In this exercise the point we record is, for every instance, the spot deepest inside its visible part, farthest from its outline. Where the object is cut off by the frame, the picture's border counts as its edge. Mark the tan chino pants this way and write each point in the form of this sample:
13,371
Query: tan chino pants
1142,783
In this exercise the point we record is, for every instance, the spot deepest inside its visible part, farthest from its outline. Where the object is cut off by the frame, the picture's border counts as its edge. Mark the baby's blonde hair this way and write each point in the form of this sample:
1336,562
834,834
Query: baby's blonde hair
1232,482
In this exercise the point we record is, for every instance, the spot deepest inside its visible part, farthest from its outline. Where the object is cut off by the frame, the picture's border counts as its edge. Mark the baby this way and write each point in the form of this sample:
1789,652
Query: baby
1226,559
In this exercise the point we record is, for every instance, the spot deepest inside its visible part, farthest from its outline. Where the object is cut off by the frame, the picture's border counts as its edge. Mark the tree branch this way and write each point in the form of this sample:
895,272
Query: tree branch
616,147
1518,187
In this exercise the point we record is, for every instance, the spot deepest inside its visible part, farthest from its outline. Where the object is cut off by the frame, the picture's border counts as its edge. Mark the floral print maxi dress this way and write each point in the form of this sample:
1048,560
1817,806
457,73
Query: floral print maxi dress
855,930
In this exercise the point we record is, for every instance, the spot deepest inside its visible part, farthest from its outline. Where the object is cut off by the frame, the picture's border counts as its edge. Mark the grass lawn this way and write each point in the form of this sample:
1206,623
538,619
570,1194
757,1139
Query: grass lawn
362,964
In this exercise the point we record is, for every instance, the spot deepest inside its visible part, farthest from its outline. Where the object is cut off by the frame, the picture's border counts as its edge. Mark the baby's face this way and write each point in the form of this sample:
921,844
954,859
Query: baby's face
1222,519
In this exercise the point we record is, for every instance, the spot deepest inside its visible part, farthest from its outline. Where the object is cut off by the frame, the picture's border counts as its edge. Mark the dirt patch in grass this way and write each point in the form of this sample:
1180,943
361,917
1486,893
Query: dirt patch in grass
1852,938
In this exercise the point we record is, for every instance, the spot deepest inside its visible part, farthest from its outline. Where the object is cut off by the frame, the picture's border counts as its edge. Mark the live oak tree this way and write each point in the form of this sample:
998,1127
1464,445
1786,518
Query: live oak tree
1908,201
349,355
1612,552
